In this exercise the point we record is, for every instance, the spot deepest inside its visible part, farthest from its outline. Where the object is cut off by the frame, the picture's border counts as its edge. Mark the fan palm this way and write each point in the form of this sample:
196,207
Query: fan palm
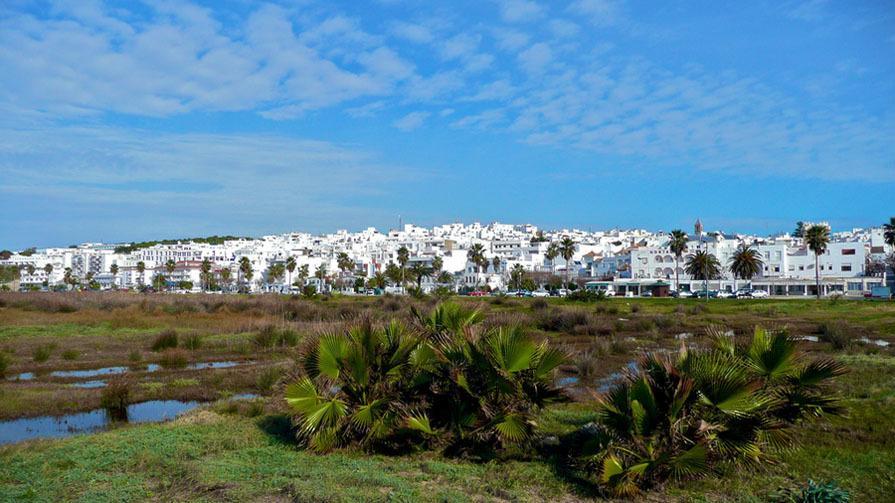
551,254
817,237
359,388
728,404
745,263
677,245
486,383
141,268
245,269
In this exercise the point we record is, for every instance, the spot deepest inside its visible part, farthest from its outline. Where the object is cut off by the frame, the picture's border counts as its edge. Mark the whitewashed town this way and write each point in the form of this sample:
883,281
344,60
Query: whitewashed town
475,259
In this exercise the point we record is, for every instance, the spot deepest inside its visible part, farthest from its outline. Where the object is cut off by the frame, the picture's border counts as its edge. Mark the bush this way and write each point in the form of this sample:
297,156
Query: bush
635,308
165,340
70,354
115,398
837,334
559,320
685,417
173,358
268,378
192,342
270,336
135,356
813,493
539,304
585,295
42,353
5,361
456,383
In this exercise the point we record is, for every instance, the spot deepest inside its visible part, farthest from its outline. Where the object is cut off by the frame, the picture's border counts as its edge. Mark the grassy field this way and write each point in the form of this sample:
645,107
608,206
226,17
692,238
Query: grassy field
239,452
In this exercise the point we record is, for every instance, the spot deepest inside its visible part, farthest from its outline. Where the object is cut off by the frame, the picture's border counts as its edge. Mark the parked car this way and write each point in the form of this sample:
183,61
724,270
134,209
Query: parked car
701,294
760,294
683,294
646,294
724,294
540,293
477,293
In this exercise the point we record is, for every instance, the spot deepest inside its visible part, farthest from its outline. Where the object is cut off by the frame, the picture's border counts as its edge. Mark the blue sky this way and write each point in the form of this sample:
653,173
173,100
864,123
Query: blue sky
140,120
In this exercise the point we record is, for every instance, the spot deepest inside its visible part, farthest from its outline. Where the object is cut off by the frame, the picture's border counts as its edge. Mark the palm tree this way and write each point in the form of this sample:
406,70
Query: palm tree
67,277
476,254
360,388
704,266
437,264
745,263
495,263
114,270
516,276
225,276
275,272
677,245
245,270
729,404
344,263
889,232
320,274
817,237
170,265
48,269
800,230
551,254
418,271
141,268
567,251
290,266
205,273
378,280
488,383
445,278
403,258
304,272
30,268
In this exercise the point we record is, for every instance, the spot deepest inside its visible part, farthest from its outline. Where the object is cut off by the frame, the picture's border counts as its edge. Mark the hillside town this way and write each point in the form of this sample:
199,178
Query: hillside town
463,258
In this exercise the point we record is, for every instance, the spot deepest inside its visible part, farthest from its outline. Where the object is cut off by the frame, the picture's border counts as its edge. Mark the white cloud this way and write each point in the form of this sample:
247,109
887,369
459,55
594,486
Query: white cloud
510,40
536,58
416,33
563,29
411,121
515,11
600,12
460,46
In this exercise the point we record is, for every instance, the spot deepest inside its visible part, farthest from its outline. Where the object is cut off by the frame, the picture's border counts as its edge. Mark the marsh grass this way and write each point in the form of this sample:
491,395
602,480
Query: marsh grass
165,340
42,353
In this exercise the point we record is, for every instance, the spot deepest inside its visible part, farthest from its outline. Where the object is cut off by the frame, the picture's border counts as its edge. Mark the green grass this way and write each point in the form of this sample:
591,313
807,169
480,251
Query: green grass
244,459
233,457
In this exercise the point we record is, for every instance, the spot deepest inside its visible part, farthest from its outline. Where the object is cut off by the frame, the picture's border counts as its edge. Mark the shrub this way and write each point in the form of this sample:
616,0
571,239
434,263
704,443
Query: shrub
5,361
115,398
457,384
539,304
813,493
837,334
684,417
268,378
585,295
70,354
192,342
42,353
135,356
270,336
635,308
165,340
173,358
561,321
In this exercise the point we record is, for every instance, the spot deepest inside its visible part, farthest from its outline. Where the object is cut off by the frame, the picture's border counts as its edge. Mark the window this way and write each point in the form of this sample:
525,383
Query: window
848,251
846,267
776,268
854,287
